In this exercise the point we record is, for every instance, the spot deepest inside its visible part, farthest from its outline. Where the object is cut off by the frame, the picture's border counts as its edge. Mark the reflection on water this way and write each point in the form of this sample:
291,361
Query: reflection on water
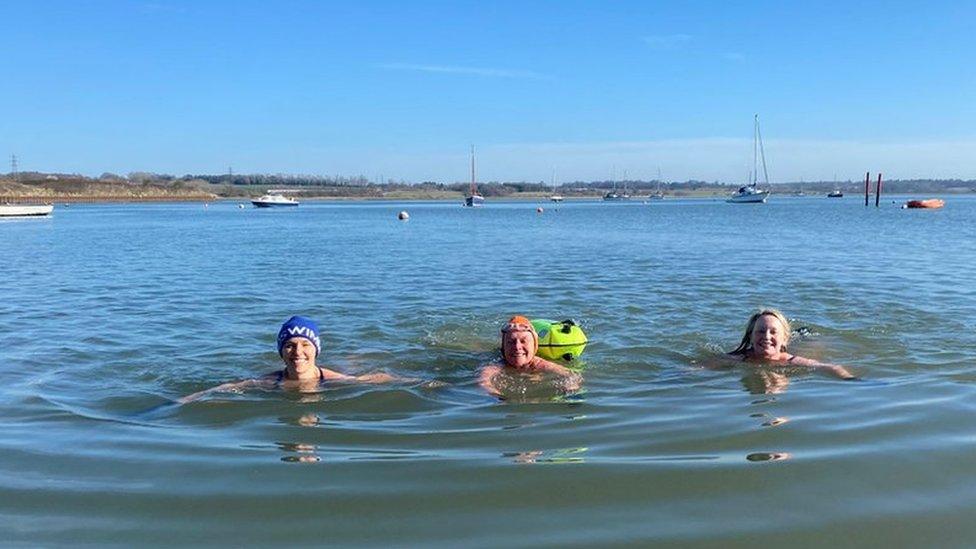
300,452
764,381
297,452
769,456
769,420
564,455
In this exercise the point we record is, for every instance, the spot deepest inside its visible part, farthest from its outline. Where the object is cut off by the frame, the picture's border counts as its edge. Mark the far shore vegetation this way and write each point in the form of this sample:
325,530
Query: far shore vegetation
145,186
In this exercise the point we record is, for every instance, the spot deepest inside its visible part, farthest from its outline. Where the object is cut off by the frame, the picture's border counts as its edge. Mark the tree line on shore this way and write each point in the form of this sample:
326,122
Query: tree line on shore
360,186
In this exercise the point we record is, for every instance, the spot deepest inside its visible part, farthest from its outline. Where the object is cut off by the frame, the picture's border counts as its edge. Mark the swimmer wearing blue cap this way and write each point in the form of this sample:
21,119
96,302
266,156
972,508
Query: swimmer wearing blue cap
520,342
298,346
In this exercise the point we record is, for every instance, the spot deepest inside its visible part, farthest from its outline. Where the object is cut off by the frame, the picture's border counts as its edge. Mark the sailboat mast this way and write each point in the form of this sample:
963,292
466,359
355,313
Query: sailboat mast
755,151
472,171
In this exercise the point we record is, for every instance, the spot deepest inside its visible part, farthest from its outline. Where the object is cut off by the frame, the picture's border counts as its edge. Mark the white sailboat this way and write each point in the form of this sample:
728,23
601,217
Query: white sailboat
473,200
658,194
555,197
751,193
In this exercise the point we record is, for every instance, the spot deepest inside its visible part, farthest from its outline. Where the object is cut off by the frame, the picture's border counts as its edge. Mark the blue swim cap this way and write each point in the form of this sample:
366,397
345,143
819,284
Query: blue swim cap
299,326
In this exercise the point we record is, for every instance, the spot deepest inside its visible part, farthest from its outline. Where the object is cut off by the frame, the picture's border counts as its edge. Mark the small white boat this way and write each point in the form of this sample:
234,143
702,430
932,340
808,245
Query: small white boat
748,194
273,200
556,198
21,210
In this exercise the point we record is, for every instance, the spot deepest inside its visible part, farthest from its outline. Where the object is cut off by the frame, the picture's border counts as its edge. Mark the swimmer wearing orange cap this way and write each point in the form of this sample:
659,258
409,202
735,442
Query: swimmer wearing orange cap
520,342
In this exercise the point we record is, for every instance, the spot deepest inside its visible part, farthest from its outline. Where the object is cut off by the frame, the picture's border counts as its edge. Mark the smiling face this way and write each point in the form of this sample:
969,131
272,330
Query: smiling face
769,337
518,347
298,355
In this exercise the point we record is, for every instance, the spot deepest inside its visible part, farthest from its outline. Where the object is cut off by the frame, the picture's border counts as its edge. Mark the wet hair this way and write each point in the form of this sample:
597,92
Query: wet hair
746,344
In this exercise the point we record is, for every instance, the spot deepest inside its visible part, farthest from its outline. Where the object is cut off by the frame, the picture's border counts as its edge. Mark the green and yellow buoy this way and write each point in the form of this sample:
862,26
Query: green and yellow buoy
559,340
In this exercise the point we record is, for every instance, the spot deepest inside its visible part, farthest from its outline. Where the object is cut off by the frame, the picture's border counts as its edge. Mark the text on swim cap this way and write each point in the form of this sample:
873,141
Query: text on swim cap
303,331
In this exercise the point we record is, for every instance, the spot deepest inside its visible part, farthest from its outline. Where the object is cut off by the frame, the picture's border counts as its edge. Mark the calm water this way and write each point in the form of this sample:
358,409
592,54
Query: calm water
110,311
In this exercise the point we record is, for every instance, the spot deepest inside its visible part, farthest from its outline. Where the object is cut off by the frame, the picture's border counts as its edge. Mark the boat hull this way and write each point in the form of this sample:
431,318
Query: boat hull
757,198
25,211
259,204
474,201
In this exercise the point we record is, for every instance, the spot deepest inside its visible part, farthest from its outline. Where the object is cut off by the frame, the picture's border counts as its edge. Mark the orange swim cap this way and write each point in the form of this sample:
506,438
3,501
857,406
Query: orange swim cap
518,323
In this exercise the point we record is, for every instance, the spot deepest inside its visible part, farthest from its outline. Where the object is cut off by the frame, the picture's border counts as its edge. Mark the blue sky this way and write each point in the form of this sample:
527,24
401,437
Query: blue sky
590,90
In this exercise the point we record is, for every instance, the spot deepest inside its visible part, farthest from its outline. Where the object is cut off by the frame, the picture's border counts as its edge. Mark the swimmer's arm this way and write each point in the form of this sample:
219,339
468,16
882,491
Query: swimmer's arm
487,379
721,361
573,379
225,387
835,370
378,377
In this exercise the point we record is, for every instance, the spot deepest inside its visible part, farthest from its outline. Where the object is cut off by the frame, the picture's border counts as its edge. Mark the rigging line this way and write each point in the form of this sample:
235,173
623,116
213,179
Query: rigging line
762,152
755,144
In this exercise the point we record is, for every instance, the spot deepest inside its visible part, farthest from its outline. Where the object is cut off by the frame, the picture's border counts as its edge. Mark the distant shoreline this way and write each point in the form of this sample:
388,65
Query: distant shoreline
52,188
528,197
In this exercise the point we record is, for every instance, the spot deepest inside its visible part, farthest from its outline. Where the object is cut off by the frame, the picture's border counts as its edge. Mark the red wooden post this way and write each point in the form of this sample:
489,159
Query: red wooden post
877,192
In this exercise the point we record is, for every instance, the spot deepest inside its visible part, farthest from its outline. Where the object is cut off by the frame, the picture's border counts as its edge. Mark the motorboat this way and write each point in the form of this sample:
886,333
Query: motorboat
836,193
273,200
751,193
556,198
747,194
23,210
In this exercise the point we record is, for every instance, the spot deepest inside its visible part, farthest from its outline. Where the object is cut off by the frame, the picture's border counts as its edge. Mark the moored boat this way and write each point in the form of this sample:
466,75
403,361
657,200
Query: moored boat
747,194
23,210
274,199
836,193
473,200
751,193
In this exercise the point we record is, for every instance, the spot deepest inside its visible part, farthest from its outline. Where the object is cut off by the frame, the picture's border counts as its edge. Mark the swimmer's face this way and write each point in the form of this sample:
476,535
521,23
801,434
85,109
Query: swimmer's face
299,353
769,337
518,347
